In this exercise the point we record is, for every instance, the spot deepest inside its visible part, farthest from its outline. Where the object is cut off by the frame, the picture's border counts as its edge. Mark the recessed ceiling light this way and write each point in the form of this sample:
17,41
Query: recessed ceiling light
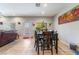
45,4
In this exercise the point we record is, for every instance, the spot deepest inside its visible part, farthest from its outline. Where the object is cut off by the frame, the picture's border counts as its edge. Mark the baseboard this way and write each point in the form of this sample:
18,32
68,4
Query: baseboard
65,47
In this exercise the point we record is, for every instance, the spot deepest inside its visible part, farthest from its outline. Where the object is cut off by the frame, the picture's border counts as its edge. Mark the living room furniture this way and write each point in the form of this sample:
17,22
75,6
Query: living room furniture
7,37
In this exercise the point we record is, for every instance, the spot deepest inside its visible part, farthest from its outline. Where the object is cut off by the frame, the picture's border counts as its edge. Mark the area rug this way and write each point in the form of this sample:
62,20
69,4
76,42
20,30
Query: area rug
28,37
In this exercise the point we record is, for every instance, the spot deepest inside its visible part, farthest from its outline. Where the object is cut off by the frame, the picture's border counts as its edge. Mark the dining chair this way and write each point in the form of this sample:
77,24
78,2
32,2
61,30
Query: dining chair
47,43
55,40
38,41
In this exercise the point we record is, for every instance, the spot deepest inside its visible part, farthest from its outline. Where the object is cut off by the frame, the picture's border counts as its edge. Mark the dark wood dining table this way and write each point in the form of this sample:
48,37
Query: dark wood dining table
47,36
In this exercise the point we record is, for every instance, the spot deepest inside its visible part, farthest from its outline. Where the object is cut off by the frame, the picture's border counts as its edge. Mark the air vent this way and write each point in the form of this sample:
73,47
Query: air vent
37,4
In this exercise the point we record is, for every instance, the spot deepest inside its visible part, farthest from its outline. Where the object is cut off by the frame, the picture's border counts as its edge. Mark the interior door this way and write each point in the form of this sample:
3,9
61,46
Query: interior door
28,29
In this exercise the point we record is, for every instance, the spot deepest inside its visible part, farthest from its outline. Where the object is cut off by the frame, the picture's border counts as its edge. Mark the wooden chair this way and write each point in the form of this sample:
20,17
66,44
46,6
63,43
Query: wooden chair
47,43
55,41
38,41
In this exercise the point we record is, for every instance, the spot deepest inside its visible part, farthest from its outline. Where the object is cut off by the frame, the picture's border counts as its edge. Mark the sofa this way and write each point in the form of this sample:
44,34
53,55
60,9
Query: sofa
7,37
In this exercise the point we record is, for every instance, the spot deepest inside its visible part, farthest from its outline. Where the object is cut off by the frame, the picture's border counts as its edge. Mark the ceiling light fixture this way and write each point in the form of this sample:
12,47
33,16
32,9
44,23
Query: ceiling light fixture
45,4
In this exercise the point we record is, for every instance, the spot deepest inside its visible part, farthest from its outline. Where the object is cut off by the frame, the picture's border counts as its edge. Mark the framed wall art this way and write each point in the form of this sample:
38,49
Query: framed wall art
70,16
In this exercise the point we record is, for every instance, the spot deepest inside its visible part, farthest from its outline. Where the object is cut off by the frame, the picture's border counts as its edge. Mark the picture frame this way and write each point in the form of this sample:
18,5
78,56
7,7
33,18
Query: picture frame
19,23
70,16
1,23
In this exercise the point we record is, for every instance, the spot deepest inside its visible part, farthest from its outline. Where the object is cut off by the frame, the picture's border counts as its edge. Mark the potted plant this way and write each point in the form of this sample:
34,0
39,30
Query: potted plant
40,25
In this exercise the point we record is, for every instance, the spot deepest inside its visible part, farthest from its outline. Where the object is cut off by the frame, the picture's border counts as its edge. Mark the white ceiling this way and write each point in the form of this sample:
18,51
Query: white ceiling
29,9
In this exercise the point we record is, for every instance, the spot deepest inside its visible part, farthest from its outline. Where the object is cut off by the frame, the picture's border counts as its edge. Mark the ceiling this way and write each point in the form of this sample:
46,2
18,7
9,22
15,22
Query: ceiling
30,9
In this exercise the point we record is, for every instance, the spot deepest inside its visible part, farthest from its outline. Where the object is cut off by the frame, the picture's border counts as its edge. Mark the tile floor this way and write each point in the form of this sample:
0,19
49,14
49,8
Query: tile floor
26,47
